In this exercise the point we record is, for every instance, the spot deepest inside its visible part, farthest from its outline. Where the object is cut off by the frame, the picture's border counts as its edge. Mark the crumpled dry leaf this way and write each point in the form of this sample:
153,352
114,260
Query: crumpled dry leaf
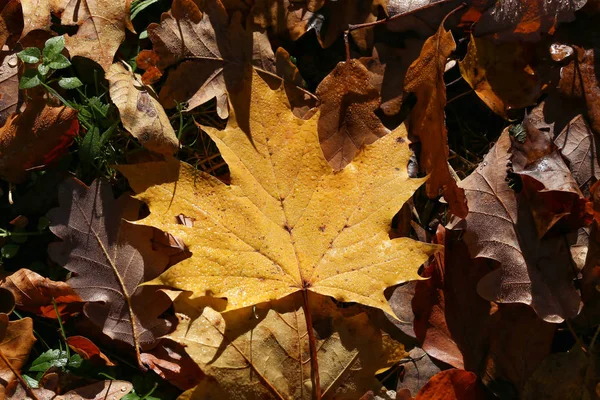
110,262
347,119
141,114
101,30
579,80
34,293
35,137
287,222
11,22
453,384
500,226
263,352
37,14
501,75
16,341
552,192
9,85
526,20
425,78
219,54
577,145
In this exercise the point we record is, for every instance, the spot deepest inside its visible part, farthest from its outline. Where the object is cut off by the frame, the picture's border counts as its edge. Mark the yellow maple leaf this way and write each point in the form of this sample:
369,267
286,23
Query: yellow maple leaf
287,222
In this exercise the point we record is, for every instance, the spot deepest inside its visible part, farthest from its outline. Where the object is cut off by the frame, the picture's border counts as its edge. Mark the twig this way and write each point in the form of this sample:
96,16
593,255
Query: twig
19,377
312,342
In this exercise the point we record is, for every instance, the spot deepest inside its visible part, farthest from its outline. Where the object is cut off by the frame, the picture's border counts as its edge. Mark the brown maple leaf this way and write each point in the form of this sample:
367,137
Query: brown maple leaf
425,78
110,260
347,119
263,352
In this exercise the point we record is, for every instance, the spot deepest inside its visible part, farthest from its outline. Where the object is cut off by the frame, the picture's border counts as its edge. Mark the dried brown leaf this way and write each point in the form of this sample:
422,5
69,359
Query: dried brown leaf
102,25
141,113
501,75
35,138
110,263
452,384
500,226
16,341
577,145
263,352
347,119
425,78
34,293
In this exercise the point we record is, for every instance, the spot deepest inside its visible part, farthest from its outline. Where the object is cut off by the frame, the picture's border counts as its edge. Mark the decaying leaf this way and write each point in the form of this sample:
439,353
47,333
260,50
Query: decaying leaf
101,29
578,147
37,14
16,341
526,20
109,263
552,192
501,75
347,119
34,293
425,78
9,85
500,226
287,222
579,80
263,353
453,384
141,114
35,138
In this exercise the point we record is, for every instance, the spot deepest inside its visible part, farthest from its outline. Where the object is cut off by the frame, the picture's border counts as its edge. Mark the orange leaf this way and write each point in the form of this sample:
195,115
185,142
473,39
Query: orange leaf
88,350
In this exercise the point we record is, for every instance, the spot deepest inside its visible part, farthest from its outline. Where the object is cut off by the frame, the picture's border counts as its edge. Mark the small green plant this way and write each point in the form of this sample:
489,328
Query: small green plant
48,60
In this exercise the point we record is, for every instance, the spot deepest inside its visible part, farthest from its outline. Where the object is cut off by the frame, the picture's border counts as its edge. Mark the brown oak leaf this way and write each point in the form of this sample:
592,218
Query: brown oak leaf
110,259
500,226
102,25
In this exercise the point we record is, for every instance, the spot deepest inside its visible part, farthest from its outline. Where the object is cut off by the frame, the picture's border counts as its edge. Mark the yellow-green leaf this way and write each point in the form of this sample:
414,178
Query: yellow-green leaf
287,222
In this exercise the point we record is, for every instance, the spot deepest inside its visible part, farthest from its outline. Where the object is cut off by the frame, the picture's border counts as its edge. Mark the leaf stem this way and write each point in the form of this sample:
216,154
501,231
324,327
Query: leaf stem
19,377
312,343
62,328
